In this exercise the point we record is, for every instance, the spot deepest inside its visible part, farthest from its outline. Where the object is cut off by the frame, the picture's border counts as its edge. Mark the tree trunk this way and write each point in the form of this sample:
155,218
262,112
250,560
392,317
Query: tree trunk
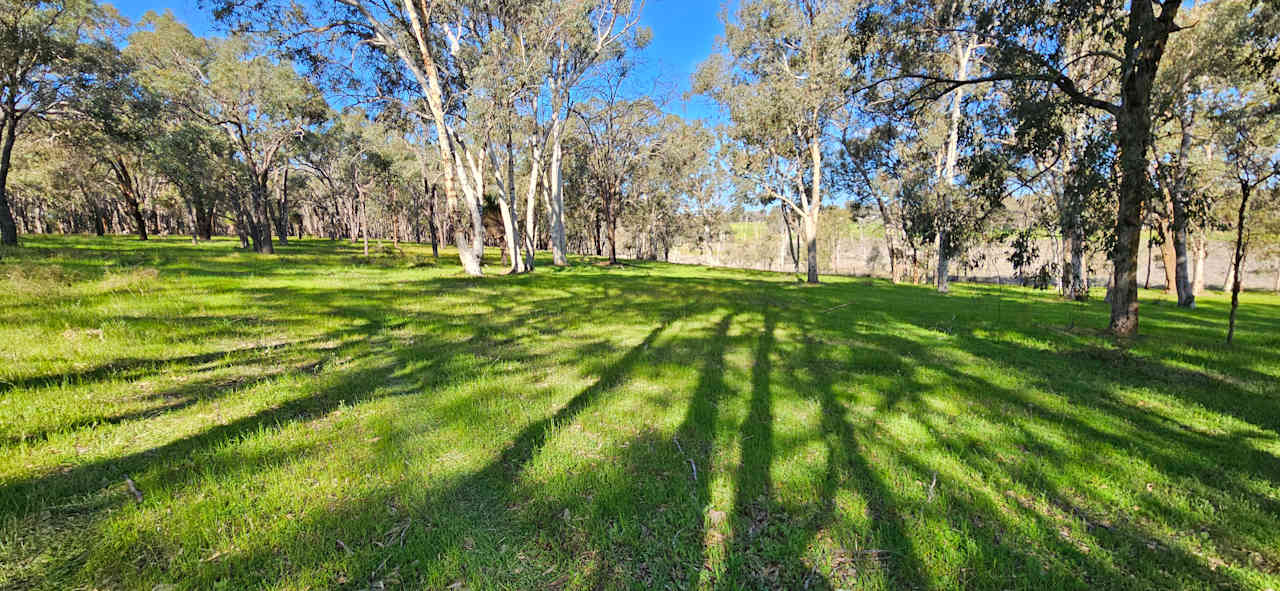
945,247
204,220
611,226
1150,259
1237,261
1133,129
99,226
784,244
1146,35
811,216
135,211
508,206
430,191
1079,274
364,220
1182,279
558,250
1168,257
8,228
1197,273
530,211
282,208
260,218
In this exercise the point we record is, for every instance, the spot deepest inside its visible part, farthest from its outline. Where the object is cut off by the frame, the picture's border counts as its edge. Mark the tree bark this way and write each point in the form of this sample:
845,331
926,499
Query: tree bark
1168,256
508,206
1133,130
611,224
1197,273
811,216
945,246
261,224
530,207
364,221
558,246
1237,261
1145,39
129,191
1182,279
8,227
430,191
282,208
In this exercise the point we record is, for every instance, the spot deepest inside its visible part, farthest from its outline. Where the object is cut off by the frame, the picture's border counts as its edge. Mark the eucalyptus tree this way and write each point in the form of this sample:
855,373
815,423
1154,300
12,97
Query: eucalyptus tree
47,52
195,160
576,36
116,120
677,183
1183,87
1034,45
1247,126
235,85
783,77
623,137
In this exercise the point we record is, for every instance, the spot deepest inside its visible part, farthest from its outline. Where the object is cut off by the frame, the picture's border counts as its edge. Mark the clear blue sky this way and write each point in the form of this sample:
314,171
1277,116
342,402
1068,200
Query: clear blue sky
684,33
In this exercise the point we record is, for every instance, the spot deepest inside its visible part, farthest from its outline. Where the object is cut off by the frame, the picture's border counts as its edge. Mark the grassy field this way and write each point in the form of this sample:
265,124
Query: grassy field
316,420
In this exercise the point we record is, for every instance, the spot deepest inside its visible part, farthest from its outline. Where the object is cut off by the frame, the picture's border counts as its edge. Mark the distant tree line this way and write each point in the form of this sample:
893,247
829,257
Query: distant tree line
524,125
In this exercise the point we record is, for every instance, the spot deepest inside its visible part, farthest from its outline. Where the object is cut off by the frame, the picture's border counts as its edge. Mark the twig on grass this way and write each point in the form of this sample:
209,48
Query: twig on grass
133,488
836,307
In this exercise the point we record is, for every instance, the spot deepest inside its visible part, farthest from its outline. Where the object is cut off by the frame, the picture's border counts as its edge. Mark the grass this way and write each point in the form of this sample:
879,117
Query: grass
316,420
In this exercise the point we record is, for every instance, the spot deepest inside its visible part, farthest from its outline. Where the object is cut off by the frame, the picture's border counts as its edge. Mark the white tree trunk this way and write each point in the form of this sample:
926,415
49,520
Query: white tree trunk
558,247
962,56
814,207
530,212
1202,252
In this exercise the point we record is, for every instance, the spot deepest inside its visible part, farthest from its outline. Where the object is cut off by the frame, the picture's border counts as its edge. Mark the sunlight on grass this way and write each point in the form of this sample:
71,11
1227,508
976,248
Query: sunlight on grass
319,420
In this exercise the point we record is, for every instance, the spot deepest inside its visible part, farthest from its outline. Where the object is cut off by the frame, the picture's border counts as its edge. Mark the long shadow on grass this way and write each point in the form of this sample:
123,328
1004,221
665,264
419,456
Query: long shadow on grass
1058,554
454,520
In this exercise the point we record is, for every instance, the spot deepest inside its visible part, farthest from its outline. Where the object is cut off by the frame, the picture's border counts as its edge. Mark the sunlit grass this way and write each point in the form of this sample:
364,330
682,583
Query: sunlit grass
321,420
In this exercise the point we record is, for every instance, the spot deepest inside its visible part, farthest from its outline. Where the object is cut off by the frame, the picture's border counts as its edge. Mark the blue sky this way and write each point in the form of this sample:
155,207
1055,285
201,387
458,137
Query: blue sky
684,34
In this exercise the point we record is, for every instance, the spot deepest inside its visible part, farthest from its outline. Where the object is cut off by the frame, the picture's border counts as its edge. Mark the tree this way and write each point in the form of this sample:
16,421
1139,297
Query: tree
46,53
783,77
1034,44
623,136
260,103
1248,127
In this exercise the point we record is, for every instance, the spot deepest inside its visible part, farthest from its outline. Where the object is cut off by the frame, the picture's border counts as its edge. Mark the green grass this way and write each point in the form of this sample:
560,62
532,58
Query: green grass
315,420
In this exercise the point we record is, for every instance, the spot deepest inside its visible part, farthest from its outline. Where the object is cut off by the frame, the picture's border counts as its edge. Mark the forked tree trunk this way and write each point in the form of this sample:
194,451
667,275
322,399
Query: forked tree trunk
261,222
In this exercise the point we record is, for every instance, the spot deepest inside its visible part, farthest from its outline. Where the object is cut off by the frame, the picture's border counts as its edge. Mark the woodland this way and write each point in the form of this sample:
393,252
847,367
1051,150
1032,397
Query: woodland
470,294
